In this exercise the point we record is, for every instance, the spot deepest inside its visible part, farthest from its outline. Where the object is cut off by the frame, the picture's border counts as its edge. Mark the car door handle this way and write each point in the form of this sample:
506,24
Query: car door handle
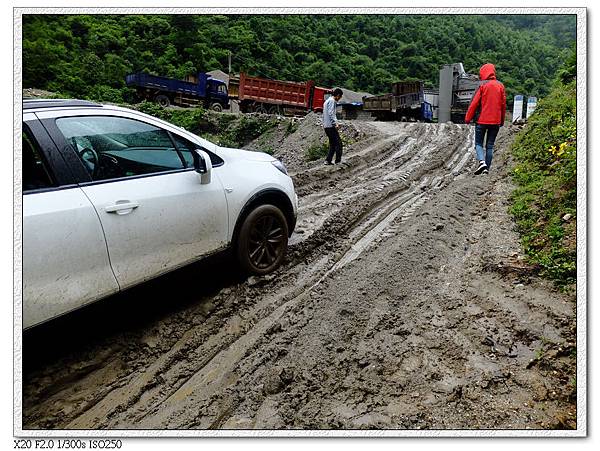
120,207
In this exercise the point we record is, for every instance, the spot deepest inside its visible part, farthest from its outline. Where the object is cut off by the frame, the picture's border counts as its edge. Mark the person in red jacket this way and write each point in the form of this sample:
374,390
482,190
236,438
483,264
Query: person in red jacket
490,101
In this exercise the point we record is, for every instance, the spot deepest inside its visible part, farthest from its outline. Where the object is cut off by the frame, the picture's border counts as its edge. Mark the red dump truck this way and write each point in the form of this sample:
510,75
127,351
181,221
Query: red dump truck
262,95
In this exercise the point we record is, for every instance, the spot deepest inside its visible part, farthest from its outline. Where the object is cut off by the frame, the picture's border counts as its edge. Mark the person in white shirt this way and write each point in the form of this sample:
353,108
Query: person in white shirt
330,124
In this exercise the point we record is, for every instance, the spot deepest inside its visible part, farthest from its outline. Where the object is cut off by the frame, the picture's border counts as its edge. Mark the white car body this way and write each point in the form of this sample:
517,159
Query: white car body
85,241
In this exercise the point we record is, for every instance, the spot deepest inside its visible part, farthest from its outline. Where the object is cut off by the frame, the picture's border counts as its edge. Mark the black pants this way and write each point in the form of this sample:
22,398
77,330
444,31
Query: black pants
335,144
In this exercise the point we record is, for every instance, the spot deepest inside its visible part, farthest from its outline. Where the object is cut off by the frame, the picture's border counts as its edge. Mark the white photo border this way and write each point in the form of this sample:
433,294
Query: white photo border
581,312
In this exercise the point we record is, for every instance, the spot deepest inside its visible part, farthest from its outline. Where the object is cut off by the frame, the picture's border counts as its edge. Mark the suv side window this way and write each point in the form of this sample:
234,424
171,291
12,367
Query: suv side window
115,147
36,174
187,147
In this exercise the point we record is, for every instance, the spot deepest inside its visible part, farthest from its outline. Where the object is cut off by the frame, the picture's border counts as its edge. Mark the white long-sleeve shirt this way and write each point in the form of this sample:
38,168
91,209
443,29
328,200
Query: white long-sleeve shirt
329,118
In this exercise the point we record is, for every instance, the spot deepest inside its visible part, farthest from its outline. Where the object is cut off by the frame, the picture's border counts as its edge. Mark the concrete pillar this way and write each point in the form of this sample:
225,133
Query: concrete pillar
446,87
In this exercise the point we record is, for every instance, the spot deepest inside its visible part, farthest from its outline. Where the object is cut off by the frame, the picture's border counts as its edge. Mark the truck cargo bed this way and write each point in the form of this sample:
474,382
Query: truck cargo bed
274,91
167,84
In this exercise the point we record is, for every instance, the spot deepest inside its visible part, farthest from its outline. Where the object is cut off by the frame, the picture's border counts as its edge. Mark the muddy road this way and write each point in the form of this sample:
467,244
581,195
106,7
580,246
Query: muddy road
404,303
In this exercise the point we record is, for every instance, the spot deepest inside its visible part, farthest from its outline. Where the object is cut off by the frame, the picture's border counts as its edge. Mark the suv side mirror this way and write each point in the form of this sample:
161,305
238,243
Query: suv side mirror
203,165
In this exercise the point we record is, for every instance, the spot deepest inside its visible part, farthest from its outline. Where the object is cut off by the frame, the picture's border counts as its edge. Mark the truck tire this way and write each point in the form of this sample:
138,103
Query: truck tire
244,107
216,107
260,108
163,100
262,241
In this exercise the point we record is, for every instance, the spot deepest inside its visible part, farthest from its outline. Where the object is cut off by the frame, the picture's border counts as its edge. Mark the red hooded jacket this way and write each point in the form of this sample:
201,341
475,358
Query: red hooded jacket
490,97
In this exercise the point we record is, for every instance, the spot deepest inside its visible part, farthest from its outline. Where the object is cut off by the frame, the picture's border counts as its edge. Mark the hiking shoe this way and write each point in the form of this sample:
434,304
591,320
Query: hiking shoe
485,171
328,163
482,167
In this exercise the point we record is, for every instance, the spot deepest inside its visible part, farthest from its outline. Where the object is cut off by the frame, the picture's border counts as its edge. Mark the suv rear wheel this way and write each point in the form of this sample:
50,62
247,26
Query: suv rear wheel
262,240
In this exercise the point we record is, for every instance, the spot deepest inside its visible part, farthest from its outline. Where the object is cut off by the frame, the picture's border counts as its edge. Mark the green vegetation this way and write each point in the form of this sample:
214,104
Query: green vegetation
88,56
194,120
317,151
292,126
544,204
223,129
266,142
246,129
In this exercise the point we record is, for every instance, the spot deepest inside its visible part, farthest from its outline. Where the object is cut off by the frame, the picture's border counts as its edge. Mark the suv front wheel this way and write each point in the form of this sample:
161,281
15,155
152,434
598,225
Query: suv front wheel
262,240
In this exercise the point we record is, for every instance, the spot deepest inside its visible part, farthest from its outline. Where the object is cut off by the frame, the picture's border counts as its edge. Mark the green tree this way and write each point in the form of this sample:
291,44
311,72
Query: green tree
74,53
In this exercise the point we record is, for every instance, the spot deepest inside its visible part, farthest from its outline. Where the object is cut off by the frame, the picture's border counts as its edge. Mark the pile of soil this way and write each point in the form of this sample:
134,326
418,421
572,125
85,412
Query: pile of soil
292,138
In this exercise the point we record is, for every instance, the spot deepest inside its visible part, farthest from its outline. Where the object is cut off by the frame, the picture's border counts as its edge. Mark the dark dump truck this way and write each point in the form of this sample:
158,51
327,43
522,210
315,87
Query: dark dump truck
263,95
405,103
200,89
456,90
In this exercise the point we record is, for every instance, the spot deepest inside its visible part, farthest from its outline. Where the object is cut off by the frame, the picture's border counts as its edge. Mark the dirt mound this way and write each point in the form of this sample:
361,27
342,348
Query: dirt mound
292,139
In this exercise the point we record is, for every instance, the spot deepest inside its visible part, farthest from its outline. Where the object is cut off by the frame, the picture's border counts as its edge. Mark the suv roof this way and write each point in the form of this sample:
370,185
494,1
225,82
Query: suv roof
29,104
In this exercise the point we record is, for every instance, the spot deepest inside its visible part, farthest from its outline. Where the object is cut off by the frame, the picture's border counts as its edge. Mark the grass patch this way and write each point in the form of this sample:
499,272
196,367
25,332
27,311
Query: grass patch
194,120
292,126
317,151
248,128
227,130
265,142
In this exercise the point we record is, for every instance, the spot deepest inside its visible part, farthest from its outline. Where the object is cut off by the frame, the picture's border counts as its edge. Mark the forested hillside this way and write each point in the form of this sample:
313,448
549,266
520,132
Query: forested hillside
89,55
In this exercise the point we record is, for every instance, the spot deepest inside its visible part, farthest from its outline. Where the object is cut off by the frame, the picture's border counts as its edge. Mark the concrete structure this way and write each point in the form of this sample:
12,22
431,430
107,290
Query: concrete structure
517,114
531,105
456,90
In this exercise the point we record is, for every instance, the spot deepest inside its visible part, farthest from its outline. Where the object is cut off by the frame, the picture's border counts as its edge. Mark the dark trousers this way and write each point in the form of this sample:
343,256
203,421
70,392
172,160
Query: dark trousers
335,144
489,132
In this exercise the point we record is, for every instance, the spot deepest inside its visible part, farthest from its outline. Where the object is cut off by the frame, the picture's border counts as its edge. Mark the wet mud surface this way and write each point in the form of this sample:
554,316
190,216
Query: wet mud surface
404,303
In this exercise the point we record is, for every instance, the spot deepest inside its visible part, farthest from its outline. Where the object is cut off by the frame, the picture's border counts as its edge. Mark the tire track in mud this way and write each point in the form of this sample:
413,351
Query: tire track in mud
224,355
372,196
428,349
393,166
148,378
224,366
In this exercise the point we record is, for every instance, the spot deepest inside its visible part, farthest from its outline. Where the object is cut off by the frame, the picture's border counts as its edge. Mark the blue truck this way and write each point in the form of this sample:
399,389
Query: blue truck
199,90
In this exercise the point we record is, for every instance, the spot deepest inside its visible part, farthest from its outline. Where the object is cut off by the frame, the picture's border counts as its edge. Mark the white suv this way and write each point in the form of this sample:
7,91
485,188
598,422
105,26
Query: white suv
113,197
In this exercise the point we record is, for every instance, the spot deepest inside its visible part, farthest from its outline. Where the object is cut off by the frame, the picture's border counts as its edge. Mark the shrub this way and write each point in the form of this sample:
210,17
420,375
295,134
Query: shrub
317,151
102,93
245,130
191,119
546,176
